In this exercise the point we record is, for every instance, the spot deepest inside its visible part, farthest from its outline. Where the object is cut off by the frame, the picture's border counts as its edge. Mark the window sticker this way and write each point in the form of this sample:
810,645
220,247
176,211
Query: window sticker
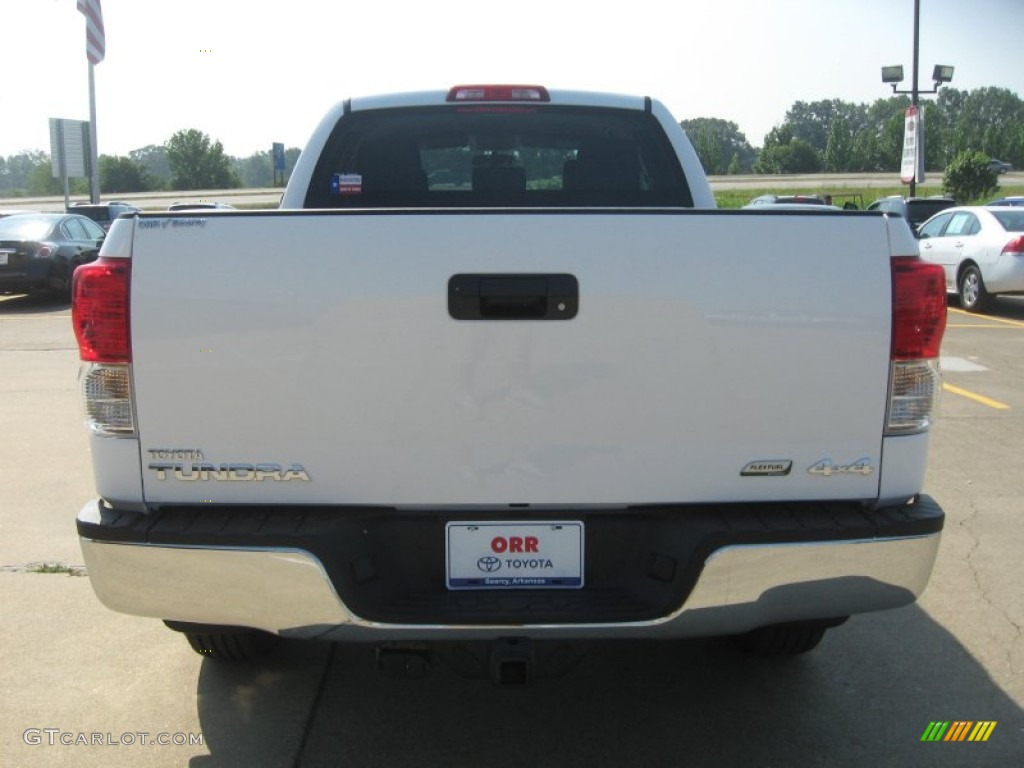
346,184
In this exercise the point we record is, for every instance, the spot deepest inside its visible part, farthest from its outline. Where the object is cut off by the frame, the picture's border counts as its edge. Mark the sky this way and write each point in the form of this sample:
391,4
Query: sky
252,73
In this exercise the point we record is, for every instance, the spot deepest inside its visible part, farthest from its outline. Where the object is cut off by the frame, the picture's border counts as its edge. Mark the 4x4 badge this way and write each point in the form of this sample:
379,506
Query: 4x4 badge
827,468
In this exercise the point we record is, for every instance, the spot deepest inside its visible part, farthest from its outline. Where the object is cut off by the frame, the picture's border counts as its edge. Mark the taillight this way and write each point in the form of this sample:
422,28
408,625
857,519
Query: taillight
45,251
918,323
498,93
99,313
107,395
1015,247
99,310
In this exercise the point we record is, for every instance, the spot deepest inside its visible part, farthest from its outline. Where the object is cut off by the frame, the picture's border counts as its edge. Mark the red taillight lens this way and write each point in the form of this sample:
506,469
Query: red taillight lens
918,308
1015,247
498,93
99,311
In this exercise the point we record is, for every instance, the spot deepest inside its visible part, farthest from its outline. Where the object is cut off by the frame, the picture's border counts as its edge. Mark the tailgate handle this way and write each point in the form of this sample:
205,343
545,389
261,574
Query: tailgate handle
513,297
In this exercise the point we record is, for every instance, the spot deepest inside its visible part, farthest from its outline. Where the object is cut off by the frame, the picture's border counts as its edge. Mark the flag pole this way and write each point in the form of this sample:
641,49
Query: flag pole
95,49
94,171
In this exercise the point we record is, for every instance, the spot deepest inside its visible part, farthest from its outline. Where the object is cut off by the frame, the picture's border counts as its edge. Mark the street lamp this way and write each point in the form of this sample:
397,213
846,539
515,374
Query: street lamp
941,74
893,75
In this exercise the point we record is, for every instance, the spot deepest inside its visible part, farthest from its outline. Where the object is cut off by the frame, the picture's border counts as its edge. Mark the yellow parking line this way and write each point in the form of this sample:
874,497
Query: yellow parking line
979,325
1017,323
976,397
35,317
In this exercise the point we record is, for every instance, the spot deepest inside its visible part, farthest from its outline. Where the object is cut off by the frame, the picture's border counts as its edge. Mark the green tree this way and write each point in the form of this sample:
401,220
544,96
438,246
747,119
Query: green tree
934,149
773,159
985,120
152,159
291,157
845,136
784,153
254,171
717,142
257,170
775,152
41,182
890,141
198,163
16,170
813,121
839,149
120,174
708,152
968,177
865,157
804,158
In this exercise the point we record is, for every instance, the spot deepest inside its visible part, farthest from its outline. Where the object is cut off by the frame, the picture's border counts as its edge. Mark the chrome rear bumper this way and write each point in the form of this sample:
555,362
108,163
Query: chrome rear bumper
288,591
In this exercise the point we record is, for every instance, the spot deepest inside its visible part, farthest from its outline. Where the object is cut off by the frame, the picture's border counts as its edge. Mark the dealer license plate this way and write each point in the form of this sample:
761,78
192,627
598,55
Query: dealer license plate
514,555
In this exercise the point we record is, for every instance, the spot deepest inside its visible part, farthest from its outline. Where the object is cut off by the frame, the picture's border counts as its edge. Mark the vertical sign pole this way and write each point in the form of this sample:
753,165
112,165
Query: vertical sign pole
914,99
94,171
63,163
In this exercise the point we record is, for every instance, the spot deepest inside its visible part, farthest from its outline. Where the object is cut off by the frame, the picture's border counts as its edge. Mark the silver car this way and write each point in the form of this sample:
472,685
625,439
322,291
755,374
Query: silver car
981,248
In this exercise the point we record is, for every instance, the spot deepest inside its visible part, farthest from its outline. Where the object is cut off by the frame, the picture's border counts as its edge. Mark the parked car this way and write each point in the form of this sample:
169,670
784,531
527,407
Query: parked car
1013,200
915,210
773,200
40,251
999,166
103,213
200,206
981,248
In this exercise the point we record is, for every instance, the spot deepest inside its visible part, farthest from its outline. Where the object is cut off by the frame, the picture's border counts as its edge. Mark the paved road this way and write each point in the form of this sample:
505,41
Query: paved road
74,671
158,201
818,182
834,182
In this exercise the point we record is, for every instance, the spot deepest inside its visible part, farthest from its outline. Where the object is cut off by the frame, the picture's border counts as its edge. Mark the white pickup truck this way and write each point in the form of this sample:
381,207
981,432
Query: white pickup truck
499,369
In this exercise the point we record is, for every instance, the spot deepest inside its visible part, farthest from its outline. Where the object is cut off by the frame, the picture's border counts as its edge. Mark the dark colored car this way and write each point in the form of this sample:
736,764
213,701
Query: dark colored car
103,213
1014,200
39,251
915,210
999,166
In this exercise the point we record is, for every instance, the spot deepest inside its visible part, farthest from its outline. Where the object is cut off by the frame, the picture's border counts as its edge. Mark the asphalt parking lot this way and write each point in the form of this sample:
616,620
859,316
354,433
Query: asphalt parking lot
83,686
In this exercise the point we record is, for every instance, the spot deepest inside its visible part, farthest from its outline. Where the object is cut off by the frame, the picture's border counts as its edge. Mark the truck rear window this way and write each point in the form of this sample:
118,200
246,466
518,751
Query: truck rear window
497,156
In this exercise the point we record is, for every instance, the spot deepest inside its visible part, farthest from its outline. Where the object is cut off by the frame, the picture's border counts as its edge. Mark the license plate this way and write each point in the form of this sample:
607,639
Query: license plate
3,258
514,555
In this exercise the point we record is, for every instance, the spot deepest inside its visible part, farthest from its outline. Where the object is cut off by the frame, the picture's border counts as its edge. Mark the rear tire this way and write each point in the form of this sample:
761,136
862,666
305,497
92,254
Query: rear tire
232,644
785,639
60,291
971,288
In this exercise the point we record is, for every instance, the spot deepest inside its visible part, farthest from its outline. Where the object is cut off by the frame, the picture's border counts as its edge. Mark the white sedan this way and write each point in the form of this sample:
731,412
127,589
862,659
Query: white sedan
981,248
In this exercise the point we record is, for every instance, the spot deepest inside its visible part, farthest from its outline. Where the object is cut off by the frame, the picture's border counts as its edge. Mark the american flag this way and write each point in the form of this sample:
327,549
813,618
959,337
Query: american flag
95,40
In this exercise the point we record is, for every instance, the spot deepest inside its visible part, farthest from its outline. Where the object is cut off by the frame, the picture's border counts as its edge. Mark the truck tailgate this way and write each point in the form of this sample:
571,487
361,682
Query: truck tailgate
715,356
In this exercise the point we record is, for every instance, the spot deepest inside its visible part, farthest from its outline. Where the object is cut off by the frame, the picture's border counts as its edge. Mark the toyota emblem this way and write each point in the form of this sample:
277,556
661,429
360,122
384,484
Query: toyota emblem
488,564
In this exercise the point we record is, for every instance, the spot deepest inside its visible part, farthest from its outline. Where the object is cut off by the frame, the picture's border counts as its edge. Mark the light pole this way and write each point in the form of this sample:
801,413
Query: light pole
942,73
